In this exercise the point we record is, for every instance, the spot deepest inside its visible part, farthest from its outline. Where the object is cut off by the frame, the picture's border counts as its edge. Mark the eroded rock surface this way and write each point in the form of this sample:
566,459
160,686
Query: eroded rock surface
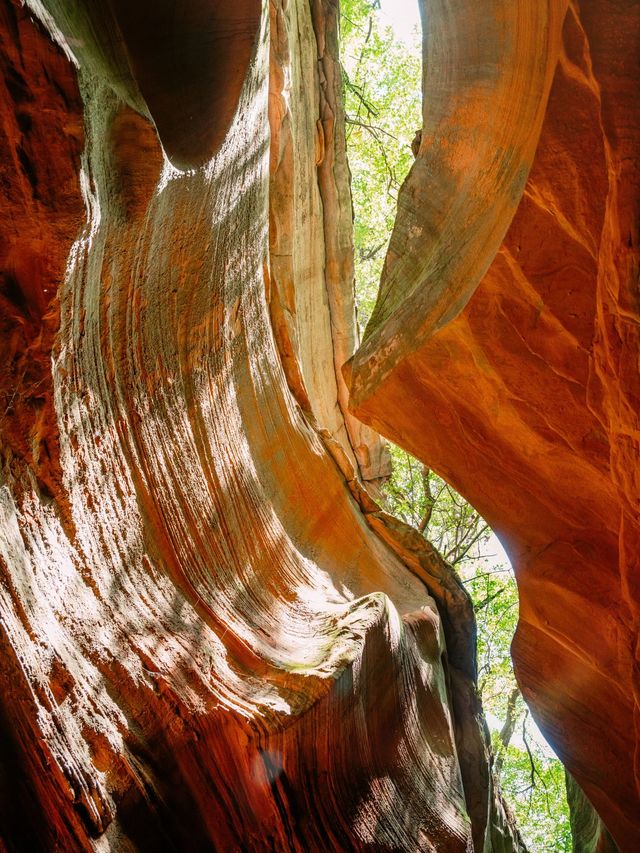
588,832
211,636
527,401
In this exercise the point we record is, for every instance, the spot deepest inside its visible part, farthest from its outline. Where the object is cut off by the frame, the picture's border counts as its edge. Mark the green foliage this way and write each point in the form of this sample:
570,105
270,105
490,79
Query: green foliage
530,776
382,83
538,801
495,596
421,498
383,111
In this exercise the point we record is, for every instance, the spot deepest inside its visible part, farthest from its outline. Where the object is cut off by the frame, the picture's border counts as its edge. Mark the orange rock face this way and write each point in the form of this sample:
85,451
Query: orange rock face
211,638
528,403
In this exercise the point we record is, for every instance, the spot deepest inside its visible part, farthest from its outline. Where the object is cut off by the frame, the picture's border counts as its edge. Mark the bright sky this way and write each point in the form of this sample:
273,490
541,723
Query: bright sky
494,546
403,16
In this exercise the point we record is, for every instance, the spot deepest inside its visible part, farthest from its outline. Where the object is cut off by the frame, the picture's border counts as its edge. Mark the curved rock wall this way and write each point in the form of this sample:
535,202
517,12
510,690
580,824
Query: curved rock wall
588,832
487,70
527,402
211,636
311,275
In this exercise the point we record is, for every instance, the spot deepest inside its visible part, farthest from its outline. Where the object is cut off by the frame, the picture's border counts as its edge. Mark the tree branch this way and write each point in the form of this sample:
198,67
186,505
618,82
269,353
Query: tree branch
466,549
509,727
426,485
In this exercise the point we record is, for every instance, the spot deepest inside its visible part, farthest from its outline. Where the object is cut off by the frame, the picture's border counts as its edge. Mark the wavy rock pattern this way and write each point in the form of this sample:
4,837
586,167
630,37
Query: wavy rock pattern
211,637
527,401
487,70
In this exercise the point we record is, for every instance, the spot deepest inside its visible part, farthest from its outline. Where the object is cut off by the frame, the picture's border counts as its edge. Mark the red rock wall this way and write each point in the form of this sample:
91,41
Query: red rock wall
41,138
528,401
211,637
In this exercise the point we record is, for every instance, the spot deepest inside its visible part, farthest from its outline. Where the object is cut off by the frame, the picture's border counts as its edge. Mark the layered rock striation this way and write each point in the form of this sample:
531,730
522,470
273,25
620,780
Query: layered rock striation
525,395
211,636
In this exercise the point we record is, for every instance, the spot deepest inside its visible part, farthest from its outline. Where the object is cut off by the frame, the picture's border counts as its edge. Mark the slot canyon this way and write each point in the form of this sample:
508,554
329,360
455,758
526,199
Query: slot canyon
213,635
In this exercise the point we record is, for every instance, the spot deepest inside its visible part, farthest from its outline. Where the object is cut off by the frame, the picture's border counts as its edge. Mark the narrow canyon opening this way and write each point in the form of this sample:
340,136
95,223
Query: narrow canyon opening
381,53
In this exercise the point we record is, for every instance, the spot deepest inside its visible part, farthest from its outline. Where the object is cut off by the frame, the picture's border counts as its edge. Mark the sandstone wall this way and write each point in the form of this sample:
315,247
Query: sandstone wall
526,398
211,636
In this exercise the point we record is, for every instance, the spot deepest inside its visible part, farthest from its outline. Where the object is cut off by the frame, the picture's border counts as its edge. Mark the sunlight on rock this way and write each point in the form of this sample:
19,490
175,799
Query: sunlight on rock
225,622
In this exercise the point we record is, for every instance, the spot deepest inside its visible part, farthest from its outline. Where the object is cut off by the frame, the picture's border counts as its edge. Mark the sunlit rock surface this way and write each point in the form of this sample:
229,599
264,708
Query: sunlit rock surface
211,636
528,399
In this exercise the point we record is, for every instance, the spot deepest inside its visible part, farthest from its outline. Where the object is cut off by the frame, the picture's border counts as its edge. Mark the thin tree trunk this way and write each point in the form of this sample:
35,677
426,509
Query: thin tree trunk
508,728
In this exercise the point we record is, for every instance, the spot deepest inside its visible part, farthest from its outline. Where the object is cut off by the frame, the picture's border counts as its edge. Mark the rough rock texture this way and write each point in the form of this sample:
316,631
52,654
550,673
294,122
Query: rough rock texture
528,399
588,832
41,138
311,292
210,635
